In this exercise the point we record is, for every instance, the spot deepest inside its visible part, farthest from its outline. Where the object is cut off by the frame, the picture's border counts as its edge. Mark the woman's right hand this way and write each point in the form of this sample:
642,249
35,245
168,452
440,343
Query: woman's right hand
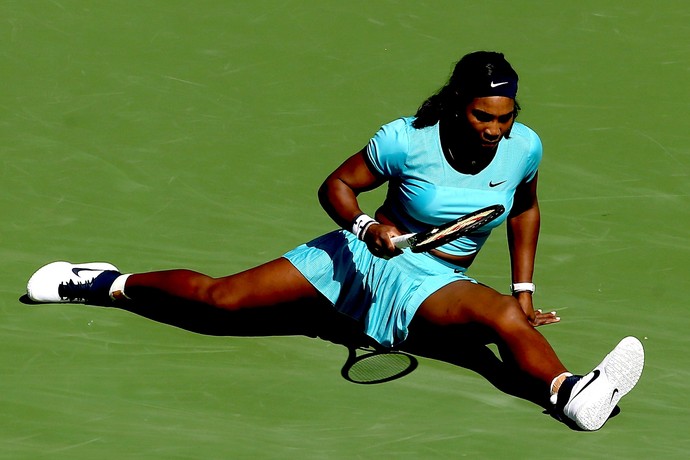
378,240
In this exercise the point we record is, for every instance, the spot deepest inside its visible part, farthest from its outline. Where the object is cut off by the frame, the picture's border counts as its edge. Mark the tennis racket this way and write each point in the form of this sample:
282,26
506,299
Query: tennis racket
377,366
438,236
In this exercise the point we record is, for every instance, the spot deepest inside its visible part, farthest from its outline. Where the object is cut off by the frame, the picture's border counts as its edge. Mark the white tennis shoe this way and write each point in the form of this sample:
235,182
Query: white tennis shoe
589,400
63,282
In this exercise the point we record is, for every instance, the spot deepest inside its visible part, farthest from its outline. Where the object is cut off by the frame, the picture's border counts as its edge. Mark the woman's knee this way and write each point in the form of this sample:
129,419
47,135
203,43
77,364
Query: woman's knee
219,293
506,315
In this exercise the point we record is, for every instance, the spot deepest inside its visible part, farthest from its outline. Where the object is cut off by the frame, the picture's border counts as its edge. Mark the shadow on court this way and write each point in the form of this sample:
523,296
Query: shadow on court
462,346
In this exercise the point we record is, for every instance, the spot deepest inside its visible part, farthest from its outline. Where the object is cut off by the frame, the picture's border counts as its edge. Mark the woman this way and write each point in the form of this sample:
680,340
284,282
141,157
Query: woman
462,150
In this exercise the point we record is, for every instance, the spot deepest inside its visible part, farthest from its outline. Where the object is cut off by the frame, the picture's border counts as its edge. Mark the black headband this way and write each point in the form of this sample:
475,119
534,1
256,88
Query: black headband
494,86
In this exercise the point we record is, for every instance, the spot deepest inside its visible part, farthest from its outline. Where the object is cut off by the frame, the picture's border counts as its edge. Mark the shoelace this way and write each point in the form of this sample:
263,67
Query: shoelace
74,292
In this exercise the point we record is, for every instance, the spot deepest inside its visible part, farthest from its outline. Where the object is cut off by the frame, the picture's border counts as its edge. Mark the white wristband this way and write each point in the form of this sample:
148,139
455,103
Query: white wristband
361,224
522,287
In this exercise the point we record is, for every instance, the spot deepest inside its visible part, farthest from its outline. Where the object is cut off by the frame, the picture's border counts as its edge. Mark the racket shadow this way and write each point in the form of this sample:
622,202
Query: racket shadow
368,366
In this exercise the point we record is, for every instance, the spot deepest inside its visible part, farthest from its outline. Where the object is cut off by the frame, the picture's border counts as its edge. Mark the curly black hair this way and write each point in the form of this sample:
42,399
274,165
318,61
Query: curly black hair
471,74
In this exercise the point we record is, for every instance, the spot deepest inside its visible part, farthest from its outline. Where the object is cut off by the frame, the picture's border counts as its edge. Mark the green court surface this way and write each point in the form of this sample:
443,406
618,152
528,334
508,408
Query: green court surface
162,134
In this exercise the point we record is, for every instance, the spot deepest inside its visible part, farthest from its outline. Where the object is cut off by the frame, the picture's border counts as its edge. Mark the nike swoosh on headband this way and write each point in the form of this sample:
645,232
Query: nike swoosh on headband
496,85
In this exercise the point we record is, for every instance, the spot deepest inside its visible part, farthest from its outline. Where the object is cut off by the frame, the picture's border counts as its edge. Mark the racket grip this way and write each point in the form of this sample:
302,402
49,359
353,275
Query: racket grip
402,241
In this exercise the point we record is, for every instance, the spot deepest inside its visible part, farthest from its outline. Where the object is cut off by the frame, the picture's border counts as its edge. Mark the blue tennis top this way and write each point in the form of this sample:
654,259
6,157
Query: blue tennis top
425,190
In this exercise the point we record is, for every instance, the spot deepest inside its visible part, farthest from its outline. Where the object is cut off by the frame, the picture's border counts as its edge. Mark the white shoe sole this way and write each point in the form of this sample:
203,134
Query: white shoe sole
618,373
43,285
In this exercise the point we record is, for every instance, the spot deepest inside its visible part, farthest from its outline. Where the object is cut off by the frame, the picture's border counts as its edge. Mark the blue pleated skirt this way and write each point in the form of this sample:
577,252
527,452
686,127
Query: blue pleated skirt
384,294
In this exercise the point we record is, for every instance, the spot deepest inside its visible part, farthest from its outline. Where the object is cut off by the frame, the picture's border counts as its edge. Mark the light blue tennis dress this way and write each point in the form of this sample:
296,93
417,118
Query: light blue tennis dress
423,190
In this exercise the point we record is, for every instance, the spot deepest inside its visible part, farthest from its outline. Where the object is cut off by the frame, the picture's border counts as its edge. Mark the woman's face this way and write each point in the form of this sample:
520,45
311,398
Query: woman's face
490,119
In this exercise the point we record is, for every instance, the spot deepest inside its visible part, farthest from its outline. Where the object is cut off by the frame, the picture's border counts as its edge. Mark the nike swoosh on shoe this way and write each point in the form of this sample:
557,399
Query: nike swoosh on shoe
613,395
596,373
78,270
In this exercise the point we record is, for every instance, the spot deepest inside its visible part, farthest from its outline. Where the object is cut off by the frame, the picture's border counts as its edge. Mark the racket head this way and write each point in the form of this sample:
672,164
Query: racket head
377,366
438,236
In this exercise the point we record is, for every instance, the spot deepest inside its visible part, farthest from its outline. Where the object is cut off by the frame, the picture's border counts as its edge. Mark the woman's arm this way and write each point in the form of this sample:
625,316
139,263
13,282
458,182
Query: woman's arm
523,233
338,196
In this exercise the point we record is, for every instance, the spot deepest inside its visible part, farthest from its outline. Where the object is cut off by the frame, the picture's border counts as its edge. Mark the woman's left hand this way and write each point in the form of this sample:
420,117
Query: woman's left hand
536,317
541,318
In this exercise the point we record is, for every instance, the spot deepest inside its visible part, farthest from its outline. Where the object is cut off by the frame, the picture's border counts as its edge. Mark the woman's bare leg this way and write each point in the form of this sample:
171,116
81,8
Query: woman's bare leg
464,302
269,284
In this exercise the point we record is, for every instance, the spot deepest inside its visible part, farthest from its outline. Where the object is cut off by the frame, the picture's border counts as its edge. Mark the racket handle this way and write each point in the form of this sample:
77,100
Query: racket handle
402,241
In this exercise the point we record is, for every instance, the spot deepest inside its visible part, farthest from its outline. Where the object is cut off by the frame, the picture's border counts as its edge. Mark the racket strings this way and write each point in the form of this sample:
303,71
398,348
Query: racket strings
456,227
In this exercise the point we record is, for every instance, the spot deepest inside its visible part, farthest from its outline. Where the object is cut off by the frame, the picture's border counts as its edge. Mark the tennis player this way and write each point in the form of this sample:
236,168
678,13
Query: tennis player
463,150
